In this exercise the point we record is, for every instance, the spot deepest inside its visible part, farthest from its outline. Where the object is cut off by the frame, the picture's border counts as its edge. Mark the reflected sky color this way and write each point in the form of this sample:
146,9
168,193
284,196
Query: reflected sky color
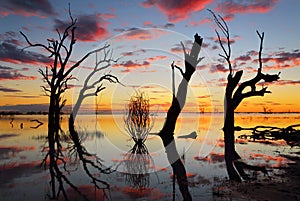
21,154
145,35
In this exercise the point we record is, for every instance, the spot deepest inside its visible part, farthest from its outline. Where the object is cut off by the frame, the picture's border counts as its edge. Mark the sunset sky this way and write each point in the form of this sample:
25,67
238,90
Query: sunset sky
145,35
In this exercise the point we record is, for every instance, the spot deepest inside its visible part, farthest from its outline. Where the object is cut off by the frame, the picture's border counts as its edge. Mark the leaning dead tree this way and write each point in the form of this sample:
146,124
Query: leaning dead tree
178,101
57,77
235,93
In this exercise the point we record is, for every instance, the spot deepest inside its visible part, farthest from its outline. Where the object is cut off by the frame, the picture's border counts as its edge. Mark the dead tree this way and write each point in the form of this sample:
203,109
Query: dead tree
57,77
96,84
138,122
178,101
235,93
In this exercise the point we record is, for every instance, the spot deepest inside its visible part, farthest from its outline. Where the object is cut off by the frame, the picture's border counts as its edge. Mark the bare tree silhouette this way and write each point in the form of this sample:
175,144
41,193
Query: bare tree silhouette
96,85
234,95
57,77
178,101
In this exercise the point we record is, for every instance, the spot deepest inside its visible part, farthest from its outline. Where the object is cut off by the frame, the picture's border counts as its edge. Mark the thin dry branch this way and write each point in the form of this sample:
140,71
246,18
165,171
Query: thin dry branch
36,44
225,30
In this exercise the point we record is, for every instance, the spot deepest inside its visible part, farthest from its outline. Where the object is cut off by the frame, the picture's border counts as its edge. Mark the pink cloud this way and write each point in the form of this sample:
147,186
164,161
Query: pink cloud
177,10
155,58
230,8
148,23
198,23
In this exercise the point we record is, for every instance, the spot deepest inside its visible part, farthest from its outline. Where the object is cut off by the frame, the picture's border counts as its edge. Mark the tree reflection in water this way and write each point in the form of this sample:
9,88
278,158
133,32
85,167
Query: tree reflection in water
74,154
137,163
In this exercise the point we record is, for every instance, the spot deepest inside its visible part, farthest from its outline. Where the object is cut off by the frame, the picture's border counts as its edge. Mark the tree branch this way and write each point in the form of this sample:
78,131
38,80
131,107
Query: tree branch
225,30
36,44
238,99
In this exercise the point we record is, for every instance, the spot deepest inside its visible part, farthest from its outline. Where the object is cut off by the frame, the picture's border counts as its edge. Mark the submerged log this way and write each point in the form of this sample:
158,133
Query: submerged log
289,133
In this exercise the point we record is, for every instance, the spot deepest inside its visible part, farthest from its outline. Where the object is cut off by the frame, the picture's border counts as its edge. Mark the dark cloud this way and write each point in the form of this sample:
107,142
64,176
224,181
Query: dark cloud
8,73
30,107
11,53
140,34
89,28
223,39
178,47
132,64
6,89
169,25
119,30
281,60
165,26
132,53
218,68
243,58
11,37
40,8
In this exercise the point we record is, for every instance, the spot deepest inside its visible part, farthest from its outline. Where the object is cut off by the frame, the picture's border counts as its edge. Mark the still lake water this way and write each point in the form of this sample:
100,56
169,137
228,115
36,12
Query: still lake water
21,177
